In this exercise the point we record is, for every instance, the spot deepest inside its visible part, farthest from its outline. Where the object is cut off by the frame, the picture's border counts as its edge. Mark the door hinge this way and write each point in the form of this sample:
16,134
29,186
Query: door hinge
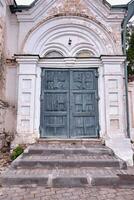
41,97
41,131
97,74
98,129
43,73
97,97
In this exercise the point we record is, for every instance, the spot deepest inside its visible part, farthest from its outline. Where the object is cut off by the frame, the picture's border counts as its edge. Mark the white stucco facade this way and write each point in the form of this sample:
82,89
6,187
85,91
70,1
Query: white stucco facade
48,26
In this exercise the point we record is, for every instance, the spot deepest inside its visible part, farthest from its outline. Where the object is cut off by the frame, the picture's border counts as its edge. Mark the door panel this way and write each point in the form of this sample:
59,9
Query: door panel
83,104
69,106
83,80
55,103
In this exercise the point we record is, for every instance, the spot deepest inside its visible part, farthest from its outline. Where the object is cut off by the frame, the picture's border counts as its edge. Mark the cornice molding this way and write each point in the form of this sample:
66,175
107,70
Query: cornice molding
24,59
38,7
113,59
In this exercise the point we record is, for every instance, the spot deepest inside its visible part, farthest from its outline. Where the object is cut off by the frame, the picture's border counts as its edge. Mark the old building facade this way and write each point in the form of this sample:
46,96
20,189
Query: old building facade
65,72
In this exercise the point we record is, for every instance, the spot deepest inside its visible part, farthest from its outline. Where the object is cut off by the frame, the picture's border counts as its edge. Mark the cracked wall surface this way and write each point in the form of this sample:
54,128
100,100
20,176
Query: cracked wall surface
3,103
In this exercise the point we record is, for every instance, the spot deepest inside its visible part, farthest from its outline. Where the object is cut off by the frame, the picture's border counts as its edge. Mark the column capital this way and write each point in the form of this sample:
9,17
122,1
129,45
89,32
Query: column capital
27,64
27,59
110,59
113,65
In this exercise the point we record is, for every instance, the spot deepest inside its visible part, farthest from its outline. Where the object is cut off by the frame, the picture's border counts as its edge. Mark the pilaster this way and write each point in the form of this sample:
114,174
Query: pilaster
114,89
27,75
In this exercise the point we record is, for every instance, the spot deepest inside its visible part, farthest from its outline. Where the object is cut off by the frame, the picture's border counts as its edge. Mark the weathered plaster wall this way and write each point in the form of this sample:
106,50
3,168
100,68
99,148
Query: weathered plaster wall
1,58
7,116
2,72
2,122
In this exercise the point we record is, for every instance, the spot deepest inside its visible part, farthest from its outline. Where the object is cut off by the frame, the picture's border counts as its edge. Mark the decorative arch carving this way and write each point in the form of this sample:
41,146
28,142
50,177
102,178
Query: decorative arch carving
53,54
55,33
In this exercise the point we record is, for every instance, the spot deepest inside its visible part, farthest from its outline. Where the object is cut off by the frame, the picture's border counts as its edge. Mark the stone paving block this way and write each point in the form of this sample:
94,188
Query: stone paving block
97,193
70,182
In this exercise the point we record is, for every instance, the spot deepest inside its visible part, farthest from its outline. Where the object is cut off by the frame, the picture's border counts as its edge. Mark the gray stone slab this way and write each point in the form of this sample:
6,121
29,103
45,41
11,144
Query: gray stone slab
70,182
126,179
66,163
88,151
104,180
23,180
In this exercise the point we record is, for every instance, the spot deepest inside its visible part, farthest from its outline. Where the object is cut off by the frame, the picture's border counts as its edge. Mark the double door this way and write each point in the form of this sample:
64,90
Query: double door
69,103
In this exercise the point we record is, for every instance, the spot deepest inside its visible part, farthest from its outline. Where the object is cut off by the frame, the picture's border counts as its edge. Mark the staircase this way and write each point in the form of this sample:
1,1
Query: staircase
67,164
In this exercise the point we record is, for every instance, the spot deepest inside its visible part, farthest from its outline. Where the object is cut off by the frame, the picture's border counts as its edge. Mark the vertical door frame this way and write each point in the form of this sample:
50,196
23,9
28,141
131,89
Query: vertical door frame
73,63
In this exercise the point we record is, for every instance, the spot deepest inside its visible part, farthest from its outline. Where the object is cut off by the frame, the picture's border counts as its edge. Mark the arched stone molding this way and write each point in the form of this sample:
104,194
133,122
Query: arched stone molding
53,47
53,53
83,47
84,53
57,31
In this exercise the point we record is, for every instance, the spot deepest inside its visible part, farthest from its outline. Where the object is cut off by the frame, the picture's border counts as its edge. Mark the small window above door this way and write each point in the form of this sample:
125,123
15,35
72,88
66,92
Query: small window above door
84,54
53,54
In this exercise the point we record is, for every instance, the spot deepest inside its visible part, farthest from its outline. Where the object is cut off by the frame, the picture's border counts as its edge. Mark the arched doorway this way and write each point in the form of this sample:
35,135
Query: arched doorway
69,49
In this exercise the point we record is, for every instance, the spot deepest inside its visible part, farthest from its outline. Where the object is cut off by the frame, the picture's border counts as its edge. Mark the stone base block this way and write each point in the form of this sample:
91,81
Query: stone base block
23,139
122,147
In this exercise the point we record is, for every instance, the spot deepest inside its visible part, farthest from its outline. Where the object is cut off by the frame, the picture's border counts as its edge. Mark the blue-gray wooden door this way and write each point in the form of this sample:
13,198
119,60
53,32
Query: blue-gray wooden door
69,103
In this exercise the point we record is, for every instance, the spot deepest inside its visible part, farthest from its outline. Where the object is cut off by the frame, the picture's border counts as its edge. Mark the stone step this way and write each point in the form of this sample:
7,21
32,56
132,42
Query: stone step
67,161
21,179
67,146
44,181
74,141
41,150
118,180
52,156
67,177
67,165
70,157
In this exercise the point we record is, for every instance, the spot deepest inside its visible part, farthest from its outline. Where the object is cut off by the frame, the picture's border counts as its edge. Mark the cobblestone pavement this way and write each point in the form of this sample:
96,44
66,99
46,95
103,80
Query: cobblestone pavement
40,193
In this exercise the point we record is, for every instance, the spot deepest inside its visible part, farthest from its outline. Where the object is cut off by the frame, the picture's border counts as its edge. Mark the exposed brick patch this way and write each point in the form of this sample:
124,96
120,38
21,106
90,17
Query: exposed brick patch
3,105
67,6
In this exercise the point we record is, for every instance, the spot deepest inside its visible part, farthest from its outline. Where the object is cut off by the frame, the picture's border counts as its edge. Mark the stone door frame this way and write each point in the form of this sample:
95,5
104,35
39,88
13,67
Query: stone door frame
29,89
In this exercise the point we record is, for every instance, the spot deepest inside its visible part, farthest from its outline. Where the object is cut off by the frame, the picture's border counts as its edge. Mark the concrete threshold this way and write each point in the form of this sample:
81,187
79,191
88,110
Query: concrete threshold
90,141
